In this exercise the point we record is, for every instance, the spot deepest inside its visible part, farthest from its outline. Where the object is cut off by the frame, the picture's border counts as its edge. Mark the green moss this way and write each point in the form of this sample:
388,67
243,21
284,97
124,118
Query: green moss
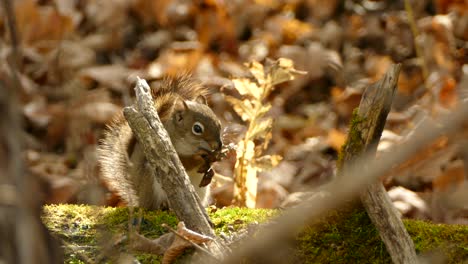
450,239
343,237
150,223
354,142
350,237
84,226
238,218
73,222
77,225
148,258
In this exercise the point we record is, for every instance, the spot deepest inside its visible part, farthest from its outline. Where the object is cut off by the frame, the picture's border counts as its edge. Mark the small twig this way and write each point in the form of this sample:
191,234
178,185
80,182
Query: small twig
28,242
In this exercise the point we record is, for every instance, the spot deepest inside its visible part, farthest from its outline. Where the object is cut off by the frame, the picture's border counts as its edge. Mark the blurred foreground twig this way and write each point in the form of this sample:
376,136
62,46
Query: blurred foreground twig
24,237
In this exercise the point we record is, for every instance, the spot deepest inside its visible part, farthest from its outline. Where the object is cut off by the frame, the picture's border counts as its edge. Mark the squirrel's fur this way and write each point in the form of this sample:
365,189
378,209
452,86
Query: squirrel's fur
123,164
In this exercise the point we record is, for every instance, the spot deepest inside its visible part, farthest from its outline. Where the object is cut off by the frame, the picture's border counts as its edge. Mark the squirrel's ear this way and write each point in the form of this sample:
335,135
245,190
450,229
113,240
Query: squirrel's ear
201,100
180,104
179,116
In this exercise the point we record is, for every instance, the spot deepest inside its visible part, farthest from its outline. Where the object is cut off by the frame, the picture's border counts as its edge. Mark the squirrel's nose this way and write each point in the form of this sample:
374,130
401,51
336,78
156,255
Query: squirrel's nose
216,145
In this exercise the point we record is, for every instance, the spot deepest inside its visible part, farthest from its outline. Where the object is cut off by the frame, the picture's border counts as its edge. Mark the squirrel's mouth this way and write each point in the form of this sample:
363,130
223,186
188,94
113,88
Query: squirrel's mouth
207,151
209,154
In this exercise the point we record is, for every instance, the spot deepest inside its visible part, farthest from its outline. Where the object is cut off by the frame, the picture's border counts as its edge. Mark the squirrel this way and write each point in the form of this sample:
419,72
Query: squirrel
195,132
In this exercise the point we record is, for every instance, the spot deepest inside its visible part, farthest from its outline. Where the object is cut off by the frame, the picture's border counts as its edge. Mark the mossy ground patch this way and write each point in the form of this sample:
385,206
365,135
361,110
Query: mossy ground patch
343,237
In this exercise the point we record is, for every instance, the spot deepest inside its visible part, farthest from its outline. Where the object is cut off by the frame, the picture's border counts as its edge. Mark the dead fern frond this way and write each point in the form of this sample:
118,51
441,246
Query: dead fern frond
252,109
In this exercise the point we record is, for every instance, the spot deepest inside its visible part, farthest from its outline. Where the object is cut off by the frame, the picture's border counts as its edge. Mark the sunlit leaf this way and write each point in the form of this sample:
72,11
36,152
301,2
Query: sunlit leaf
282,70
247,87
243,108
266,139
264,109
286,64
257,71
261,128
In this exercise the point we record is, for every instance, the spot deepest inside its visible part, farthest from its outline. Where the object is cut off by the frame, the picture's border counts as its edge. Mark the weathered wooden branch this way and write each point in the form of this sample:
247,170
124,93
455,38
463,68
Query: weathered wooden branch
162,157
366,128
160,153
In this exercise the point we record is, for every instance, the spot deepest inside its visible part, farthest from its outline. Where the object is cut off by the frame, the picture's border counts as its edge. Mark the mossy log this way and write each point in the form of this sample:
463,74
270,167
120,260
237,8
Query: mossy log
95,233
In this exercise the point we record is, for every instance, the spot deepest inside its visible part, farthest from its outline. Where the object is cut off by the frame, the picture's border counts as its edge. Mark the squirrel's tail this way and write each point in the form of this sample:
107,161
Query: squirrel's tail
114,160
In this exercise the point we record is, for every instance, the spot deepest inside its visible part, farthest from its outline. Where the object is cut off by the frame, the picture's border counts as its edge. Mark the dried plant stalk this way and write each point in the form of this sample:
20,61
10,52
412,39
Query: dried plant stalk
252,109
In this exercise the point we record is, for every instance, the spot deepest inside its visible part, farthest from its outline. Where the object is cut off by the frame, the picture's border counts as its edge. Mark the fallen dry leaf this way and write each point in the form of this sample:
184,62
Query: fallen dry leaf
185,238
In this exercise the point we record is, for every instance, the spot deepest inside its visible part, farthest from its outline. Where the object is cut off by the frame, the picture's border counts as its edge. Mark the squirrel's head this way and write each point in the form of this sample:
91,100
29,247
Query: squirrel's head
195,128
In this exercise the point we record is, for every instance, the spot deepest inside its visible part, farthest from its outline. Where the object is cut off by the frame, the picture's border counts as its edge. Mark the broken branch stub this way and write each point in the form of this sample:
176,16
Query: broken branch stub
366,128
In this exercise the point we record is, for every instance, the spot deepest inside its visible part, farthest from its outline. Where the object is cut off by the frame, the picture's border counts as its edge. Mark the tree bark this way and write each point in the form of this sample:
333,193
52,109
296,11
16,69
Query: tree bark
366,128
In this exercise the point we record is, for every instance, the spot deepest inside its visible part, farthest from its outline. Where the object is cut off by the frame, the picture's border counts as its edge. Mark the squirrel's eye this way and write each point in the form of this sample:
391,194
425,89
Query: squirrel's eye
197,128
